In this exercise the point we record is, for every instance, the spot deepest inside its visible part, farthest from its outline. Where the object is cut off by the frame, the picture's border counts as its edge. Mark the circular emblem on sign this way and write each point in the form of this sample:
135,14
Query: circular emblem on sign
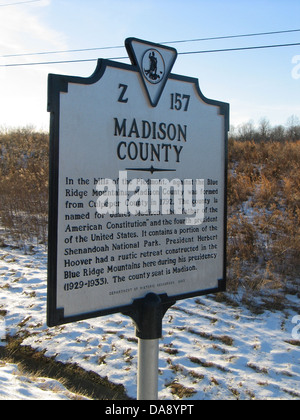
153,66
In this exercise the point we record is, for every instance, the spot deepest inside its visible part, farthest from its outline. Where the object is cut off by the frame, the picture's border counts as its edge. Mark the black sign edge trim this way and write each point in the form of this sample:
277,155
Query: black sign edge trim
57,84
60,319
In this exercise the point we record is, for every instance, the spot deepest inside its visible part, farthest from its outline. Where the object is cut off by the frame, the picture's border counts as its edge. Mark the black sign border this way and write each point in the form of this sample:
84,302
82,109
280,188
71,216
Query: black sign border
58,84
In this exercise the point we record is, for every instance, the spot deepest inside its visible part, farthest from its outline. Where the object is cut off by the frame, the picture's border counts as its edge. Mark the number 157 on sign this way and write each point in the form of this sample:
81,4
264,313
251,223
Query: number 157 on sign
180,102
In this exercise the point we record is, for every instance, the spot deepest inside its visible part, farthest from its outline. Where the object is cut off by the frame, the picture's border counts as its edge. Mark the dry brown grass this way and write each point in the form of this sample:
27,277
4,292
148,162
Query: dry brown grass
24,183
264,213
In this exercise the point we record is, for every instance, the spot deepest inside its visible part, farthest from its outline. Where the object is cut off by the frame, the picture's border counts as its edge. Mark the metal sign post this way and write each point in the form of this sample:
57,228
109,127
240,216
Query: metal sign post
147,314
147,377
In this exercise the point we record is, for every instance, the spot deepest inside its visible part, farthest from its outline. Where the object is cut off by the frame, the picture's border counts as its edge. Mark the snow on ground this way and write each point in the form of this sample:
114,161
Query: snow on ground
17,385
210,349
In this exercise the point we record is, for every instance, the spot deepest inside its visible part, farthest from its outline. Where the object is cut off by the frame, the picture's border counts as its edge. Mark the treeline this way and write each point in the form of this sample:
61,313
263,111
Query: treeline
265,132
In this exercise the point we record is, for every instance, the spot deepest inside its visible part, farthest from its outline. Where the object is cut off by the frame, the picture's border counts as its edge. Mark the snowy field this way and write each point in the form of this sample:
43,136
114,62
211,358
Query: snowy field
17,385
210,350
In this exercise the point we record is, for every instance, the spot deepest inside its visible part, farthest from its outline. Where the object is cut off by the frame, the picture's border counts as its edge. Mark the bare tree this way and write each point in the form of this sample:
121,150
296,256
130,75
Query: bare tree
264,129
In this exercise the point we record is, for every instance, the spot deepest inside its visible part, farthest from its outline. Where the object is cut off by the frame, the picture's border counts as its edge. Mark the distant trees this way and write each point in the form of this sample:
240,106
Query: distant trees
265,132
293,128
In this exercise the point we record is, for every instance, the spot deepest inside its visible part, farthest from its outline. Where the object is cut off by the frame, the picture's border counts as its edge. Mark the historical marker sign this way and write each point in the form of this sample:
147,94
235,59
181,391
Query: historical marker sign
137,186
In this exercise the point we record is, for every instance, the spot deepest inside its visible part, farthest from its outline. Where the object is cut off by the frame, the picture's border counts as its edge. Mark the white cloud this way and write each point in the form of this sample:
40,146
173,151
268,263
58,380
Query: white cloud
21,30
23,90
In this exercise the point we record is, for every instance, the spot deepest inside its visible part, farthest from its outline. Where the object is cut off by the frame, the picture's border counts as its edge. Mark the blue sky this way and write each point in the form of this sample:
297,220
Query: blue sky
257,84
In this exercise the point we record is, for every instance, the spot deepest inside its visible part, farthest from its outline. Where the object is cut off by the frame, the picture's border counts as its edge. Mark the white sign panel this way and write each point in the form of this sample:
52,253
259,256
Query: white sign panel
137,186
